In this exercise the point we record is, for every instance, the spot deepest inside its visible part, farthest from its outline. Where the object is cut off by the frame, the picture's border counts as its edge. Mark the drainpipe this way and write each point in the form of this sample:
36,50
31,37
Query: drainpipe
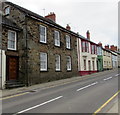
1,68
26,53
1,47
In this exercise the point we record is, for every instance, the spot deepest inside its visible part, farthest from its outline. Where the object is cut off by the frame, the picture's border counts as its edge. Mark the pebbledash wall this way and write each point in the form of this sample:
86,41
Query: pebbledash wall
87,60
29,47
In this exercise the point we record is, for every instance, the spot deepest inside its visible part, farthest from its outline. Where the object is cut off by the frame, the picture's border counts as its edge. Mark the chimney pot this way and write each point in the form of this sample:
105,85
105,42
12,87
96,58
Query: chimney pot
113,48
107,47
68,27
100,44
88,34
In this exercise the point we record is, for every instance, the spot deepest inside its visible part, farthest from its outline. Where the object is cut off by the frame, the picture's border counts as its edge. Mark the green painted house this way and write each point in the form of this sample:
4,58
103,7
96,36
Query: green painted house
99,57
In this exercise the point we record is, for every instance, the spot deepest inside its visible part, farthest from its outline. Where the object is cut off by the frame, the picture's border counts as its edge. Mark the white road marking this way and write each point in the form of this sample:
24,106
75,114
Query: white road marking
38,105
87,86
116,74
107,78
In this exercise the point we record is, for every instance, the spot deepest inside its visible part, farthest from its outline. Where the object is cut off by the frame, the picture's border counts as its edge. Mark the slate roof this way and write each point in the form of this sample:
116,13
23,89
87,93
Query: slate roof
41,18
10,24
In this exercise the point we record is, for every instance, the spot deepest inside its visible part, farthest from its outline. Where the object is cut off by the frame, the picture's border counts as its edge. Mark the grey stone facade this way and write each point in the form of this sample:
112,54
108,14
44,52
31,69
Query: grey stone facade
29,47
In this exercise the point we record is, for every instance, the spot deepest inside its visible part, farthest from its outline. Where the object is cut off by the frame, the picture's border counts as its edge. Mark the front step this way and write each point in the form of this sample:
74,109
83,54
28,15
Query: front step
13,84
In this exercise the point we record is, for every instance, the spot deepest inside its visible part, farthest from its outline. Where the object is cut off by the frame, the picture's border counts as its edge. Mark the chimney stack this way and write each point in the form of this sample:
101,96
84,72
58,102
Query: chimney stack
107,47
116,48
113,48
100,44
88,34
68,27
51,16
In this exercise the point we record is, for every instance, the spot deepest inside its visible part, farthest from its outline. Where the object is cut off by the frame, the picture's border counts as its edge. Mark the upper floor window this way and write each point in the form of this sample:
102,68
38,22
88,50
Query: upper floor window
7,10
12,40
93,49
104,53
99,50
57,62
43,34
85,46
69,63
43,61
57,38
67,41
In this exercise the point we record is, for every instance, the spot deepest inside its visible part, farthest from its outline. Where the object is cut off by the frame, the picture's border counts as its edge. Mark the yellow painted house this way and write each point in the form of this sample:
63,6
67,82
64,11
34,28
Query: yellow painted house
107,59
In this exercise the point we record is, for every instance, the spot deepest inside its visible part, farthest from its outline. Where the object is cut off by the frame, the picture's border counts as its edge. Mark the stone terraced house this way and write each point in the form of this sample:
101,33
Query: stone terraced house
36,48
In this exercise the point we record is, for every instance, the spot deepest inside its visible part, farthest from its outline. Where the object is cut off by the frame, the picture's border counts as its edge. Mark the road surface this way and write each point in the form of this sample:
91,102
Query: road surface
85,96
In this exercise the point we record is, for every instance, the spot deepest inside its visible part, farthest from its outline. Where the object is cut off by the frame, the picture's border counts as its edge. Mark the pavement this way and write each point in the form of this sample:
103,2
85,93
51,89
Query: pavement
9,92
114,107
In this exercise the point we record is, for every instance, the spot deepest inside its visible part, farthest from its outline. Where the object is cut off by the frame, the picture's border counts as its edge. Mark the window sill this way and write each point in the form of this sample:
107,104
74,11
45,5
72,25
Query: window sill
57,46
84,52
6,15
45,43
58,71
43,70
68,48
15,50
69,70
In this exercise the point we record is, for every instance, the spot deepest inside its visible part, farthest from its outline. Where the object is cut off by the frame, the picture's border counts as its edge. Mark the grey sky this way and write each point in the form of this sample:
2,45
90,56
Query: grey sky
100,17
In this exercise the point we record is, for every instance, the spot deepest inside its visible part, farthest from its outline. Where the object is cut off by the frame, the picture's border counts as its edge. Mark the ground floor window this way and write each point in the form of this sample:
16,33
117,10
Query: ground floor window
69,63
43,61
57,62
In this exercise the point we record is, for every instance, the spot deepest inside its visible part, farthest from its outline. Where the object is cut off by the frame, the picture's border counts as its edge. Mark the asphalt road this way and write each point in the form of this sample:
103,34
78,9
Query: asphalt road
84,96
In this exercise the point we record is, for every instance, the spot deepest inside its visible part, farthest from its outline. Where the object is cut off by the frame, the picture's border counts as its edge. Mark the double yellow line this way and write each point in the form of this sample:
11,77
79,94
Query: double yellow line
67,82
63,83
99,109
14,96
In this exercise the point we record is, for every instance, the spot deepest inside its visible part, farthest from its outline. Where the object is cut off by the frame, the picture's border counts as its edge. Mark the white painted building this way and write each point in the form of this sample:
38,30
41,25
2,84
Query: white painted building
114,59
87,55
2,69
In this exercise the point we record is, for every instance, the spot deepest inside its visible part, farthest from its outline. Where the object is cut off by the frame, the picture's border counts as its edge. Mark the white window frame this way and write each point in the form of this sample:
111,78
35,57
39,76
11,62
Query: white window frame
68,45
43,35
87,47
83,46
43,60
93,49
57,38
57,62
7,10
69,63
9,39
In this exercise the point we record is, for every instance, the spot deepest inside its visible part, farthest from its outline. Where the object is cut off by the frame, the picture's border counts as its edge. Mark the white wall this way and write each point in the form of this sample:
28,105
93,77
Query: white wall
114,61
2,68
79,52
